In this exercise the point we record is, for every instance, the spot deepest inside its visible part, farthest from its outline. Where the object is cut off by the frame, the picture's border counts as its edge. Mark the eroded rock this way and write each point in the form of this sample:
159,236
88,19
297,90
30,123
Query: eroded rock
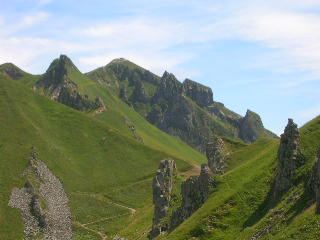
195,192
162,187
199,93
215,152
288,157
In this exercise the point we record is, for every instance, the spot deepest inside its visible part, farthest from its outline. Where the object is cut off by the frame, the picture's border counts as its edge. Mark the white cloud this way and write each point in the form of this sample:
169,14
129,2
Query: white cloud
310,113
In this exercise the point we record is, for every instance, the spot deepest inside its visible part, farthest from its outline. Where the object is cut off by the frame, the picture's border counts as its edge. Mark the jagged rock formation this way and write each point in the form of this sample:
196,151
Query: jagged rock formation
288,157
43,203
57,84
216,155
195,192
186,110
162,186
316,182
201,94
251,127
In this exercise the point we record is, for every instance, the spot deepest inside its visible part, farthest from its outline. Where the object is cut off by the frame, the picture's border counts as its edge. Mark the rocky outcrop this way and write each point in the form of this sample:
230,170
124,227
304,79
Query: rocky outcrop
201,94
195,192
316,182
216,155
58,85
251,127
289,158
43,204
162,187
185,110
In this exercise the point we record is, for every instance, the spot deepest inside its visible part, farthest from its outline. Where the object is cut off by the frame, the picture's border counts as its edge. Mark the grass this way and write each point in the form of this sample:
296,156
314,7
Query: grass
241,207
87,154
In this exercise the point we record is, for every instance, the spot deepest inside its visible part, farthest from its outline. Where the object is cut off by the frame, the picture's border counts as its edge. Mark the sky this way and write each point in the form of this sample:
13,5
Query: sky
254,54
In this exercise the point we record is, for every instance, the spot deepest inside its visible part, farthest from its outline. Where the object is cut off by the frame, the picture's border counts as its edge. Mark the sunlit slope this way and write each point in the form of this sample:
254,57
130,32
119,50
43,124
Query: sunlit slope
241,207
98,165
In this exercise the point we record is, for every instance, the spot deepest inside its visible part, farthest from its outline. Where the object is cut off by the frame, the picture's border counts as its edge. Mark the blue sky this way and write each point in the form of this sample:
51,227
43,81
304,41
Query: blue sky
257,55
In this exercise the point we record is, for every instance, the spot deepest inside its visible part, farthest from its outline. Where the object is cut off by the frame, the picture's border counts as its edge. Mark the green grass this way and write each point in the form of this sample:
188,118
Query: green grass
87,154
241,206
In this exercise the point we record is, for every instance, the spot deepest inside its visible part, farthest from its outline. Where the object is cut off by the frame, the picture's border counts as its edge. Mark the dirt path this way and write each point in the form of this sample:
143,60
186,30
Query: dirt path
102,235
104,219
194,171
107,200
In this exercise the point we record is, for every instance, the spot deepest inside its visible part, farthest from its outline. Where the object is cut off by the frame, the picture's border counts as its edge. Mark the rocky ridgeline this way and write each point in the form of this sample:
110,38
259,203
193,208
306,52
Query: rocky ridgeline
57,84
288,157
199,93
195,192
162,187
43,203
316,182
215,152
186,110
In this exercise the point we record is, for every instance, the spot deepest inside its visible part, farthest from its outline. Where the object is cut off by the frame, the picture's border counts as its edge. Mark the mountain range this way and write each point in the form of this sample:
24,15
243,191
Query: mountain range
121,153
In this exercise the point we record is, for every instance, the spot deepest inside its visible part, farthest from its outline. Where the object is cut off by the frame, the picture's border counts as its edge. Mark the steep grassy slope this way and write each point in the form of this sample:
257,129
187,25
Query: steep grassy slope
105,171
241,207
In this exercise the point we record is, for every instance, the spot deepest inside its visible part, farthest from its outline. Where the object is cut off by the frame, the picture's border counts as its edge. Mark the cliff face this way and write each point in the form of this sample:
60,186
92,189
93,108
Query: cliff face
56,82
200,94
195,192
215,152
186,110
288,157
162,187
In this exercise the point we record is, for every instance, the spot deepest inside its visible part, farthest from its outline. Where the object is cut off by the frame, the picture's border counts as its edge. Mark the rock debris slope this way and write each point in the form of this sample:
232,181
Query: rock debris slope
43,203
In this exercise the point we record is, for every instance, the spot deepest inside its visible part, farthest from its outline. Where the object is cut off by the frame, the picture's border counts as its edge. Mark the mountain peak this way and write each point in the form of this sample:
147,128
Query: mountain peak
119,60
11,70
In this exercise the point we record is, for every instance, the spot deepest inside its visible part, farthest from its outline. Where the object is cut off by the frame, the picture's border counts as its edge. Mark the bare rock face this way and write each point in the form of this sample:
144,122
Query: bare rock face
162,187
199,93
57,83
316,182
195,192
216,155
43,204
288,157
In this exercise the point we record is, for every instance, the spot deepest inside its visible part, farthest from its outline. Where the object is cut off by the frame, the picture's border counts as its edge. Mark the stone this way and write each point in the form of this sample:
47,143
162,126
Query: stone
57,84
43,203
195,191
162,187
251,127
288,157
199,93
215,152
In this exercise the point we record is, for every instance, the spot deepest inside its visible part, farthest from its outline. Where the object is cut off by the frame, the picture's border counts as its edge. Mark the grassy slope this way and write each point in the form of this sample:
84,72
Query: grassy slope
97,163
120,116
240,208
26,78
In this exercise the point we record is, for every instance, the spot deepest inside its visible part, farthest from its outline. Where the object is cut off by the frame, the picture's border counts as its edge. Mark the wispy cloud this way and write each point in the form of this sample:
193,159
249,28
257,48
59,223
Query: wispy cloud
310,113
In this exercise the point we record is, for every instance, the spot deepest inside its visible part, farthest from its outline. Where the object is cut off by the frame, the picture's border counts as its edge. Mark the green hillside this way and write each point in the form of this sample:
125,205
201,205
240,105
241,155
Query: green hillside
106,172
242,207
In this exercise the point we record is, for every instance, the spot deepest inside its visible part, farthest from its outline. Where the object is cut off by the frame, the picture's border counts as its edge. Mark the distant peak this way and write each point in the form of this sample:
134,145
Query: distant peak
119,60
